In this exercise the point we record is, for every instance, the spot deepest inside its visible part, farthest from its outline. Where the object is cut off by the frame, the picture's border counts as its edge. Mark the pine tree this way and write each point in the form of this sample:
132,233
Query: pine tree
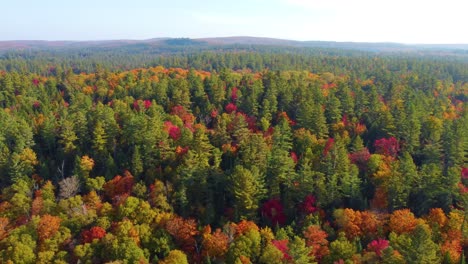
248,188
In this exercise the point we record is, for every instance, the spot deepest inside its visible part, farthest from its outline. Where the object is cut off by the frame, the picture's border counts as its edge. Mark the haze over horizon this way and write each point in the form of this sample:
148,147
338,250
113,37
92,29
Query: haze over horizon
415,22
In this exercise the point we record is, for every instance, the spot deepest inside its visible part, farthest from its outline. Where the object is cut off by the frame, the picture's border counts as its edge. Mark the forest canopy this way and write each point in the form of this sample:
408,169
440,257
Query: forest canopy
258,155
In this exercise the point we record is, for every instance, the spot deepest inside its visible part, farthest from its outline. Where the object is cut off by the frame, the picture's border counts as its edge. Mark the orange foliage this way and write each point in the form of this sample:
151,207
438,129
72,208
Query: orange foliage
353,223
437,216
370,223
316,240
3,227
359,223
245,226
48,226
37,203
119,185
184,232
453,248
245,260
214,245
88,90
92,200
402,221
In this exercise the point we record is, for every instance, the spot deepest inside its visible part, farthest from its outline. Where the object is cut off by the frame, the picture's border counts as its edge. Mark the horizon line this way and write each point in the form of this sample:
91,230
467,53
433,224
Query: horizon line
227,37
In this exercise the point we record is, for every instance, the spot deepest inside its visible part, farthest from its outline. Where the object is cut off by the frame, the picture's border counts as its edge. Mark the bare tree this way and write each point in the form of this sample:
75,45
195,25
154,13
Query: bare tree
69,187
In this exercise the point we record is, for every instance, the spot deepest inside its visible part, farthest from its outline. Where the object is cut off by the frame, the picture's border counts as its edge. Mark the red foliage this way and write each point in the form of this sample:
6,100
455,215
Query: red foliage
378,246
285,116
186,117
174,133
96,232
234,94
294,157
387,146
214,113
360,158
269,132
282,245
250,120
308,205
230,108
173,130
36,104
136,105
119,186
147,104
328,146
344,119
464,173
274,211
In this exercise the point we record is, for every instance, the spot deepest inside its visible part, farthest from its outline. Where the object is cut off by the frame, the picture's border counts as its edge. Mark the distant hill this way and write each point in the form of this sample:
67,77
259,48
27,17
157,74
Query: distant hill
223,41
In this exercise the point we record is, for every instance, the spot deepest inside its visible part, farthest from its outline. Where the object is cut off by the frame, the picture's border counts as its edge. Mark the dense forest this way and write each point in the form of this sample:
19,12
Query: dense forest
236,156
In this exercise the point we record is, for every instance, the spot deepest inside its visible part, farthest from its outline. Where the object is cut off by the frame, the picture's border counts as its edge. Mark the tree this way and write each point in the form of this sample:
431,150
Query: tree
246,245
69,187
96,232
215,245
175,257
184,233
417,247
299,251
280,166
248,189
341,248
316,240
402,221
48,226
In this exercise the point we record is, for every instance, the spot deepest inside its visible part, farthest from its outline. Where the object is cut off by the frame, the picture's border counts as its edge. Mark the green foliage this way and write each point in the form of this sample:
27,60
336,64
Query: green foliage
298,128
248,189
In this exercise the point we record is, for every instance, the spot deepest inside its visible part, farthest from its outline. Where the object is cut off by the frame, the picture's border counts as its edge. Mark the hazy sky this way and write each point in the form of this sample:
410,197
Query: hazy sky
406,21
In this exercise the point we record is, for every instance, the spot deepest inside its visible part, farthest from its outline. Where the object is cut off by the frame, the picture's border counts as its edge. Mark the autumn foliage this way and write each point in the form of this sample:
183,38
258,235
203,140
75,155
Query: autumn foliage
378,246
331,161
274,212
184,232
48,226
119,186
402,221
95,232
316,240
214,244
387,146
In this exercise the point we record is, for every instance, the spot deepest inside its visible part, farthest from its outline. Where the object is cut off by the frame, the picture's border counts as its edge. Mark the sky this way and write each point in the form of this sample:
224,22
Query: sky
403,21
